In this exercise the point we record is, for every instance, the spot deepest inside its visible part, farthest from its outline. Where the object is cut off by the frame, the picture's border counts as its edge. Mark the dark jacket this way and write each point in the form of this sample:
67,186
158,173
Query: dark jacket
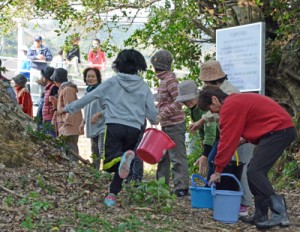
35,63
74,52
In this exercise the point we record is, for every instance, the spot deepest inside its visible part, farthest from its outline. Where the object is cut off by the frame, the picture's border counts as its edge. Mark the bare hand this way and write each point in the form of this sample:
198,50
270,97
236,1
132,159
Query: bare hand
216,177
60,111
53,100
81,128
41,57
202,163
96,117
194,126
158,119
242,141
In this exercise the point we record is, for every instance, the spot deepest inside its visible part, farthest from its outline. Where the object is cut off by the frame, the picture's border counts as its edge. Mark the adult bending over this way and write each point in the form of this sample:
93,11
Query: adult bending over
259,120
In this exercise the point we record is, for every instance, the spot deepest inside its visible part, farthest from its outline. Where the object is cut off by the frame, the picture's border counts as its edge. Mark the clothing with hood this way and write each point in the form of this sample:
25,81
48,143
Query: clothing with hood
33,52
128,98
24,99
129,101
68,124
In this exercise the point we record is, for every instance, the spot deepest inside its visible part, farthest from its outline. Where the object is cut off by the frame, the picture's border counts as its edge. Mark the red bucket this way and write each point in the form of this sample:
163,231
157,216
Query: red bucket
153,145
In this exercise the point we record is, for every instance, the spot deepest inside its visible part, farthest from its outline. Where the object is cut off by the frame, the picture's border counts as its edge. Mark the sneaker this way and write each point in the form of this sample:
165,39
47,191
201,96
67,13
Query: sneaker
124,167
110,200
243,211
181,192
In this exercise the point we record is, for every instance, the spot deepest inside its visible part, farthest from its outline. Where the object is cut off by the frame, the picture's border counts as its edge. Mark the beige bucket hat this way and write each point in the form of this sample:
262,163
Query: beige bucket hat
211,70
187,90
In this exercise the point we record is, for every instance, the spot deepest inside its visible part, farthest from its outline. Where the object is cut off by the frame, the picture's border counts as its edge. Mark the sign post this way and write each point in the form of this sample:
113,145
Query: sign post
241,52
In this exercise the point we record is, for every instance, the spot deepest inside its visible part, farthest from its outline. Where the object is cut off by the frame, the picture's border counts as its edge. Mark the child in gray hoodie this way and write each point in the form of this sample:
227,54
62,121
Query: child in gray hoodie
129,101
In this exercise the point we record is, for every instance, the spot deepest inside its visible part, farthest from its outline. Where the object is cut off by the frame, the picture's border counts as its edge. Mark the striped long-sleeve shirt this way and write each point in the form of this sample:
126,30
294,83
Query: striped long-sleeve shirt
170,111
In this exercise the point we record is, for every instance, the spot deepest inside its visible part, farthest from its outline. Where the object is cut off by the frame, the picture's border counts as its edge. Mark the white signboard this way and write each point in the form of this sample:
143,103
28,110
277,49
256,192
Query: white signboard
241,52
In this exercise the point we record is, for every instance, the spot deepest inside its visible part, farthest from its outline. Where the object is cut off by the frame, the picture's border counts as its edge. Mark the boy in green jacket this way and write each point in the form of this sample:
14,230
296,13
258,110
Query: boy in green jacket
188,95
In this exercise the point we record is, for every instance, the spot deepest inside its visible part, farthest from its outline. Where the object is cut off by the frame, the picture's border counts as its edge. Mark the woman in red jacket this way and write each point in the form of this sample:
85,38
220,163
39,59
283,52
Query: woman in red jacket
96,57
261,121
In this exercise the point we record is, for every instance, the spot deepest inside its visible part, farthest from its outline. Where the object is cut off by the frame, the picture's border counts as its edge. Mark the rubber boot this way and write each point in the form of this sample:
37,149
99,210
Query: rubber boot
279,215
260,213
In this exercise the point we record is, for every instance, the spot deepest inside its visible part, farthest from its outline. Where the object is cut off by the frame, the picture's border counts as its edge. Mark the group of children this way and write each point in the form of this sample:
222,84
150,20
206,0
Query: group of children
115,112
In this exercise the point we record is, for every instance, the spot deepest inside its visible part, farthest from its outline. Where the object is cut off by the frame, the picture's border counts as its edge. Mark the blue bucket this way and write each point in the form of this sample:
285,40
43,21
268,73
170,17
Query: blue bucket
226,203
200,196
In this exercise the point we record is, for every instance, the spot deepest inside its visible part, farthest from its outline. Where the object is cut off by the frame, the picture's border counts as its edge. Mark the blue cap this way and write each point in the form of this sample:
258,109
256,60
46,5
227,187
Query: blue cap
38,38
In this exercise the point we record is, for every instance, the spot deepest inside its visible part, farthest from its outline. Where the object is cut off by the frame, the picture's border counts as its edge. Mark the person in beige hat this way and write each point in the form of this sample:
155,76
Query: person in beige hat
172,120
211,74
188,95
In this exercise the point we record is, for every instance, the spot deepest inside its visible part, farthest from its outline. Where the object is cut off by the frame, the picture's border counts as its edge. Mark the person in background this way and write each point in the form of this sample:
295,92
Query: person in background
265,124
39,55
188,95
96,57
59,61
25,65
73,57
67,125
23,95
47,111
6,83
212,74
93,119
129,101
172,121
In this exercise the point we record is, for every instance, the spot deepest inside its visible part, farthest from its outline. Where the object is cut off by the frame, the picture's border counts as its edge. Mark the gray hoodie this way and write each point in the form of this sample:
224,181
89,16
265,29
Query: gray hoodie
128,99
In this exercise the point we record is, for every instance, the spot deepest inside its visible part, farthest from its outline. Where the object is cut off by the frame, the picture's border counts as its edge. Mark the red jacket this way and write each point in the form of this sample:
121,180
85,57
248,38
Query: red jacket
250,116
24,99
97,59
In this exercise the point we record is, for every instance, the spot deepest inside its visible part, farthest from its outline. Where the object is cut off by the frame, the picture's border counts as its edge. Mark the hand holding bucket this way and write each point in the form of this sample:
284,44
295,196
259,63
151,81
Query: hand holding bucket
154,145
200,196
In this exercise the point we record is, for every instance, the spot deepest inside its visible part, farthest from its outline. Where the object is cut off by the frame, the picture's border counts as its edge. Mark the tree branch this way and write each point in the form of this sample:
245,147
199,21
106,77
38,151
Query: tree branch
11,192
204,29
135,6
292,75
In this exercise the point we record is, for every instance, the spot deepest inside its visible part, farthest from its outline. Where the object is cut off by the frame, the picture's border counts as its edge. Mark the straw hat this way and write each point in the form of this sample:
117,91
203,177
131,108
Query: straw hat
211,71
187,90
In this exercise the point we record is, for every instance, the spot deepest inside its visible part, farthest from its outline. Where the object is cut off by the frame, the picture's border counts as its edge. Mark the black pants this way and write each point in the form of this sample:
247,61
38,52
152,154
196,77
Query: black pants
268,150
119,139
137,165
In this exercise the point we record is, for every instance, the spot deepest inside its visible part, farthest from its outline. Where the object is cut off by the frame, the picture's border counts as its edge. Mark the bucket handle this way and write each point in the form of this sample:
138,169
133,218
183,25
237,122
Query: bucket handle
213,189
195,175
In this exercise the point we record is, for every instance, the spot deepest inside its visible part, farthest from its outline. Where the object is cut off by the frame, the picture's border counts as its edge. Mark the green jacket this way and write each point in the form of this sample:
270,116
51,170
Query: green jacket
207,131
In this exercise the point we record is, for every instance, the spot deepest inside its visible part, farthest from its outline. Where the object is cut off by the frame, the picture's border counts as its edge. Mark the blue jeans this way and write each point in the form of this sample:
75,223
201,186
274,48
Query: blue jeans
211,158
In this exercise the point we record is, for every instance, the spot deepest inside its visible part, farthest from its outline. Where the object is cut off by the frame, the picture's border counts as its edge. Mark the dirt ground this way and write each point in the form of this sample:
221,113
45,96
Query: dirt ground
58,196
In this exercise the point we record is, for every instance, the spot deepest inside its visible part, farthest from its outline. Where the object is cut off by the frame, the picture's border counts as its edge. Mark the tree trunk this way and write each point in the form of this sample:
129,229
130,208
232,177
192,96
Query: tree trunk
282,61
